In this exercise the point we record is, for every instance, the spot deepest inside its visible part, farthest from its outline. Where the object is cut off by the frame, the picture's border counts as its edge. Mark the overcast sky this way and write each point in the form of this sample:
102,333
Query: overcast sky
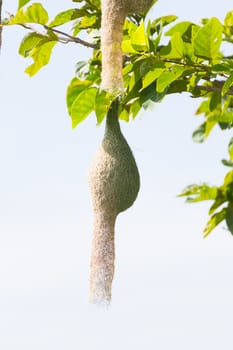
172,289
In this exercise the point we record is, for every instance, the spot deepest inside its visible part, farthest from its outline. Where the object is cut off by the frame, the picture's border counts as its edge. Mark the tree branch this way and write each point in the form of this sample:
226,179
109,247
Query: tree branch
62,38
202,67
214,88
69,38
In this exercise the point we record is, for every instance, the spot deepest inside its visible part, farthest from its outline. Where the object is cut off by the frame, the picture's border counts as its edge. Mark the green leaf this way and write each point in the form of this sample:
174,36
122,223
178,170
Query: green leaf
219,200
227,85
88,22
175,48
29,42
197,193
229,217
124,115
228,163
127,47
215,101
208,39
228,21
139,40
152,75
103,102
33,14
228,24
82,69
164,21
177,45
66,16
91,3
228,178
230,149
228,185
224,117
21,3
135,108
180,28
83,105
177,86
203,108
214,221
168,77
203,131
41,56
149,96
75,87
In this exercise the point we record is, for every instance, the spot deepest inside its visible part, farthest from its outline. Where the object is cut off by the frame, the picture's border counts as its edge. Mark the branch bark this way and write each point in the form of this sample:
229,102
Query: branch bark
217,89
69,38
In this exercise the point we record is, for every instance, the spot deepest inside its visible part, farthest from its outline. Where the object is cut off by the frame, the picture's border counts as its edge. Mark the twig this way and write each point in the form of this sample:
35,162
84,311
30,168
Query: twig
213,89
202,67
70,38
65,39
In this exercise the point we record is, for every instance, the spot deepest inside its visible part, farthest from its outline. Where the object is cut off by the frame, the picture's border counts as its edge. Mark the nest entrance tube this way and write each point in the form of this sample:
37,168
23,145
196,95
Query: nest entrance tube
102,259
114,184
114,13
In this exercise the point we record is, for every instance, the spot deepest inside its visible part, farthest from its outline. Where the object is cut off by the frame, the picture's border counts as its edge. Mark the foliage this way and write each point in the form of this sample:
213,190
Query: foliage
160,58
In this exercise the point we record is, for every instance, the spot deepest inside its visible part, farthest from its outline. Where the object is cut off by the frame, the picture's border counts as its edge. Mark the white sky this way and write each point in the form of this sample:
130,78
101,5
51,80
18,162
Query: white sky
172,289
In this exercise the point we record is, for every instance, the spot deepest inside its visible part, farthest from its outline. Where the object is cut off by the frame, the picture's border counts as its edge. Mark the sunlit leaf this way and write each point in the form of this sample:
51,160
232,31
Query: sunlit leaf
168,77
197,193
219,200
228,185
135,108
229,217
41,56
87,22
127,47
228,23
163,21
139,40
66,16
224,117
228,84
34,13
181,28
83,105
75,87
203,131
208,39
177,45
124,115
230,149
203,108
228,178
151,76
103,102
29,42
214,221
21,3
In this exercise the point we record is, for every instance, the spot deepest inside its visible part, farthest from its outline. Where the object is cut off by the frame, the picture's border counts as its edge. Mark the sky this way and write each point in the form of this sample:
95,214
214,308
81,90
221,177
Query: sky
172,288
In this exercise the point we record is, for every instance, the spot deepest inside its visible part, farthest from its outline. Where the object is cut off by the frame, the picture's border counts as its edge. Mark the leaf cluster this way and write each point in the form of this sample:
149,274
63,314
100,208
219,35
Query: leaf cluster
161,56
